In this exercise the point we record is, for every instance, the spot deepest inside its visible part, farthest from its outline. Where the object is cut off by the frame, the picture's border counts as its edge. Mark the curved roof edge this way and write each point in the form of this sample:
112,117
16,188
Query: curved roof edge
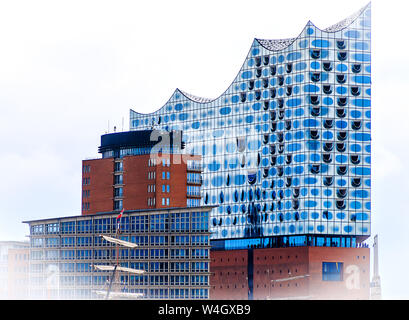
271,45
195,98
280,44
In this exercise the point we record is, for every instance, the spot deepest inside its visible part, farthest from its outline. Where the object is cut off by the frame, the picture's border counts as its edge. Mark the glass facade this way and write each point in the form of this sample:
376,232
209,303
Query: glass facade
173,250
286,149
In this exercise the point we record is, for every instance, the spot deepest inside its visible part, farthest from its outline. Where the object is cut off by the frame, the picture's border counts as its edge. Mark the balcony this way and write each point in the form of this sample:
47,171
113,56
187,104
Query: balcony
195,167
194,181
195,195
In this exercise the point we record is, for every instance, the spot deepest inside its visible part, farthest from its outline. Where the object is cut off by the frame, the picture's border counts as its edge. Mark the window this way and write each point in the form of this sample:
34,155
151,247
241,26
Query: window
315,54
118,192
159,223
117,204
118,179
85,206
163,201
332,271
194,178
192,202
327,66
52,228
118,166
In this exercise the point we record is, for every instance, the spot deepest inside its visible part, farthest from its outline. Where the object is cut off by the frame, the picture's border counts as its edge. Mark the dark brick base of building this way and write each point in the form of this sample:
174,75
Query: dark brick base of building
290,273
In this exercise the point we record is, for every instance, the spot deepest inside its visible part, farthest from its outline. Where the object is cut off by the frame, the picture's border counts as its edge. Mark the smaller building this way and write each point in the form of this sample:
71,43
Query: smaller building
173,251
141,170
14,269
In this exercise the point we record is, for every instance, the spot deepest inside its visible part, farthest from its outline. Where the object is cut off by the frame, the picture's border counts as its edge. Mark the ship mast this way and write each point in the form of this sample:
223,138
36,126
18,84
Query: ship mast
114,280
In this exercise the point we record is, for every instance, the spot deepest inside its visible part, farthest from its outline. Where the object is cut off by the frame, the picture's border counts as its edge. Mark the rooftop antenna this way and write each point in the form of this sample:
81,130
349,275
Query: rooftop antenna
376,279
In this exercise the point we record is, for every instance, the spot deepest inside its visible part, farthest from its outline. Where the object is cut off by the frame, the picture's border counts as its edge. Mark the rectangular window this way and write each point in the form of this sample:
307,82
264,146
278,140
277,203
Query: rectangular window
118,192
159,223
117,204
118,166
332,271
118,179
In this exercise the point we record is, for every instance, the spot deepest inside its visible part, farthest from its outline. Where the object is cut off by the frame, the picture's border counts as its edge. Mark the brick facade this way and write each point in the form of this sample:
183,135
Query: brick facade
97,180
296,272
142,180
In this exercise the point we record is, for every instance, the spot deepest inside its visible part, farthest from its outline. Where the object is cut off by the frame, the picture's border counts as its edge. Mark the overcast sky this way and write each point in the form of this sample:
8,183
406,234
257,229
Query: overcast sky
71,70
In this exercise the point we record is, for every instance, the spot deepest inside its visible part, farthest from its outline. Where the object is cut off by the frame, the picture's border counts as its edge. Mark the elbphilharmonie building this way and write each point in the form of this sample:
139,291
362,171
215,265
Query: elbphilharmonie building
286,149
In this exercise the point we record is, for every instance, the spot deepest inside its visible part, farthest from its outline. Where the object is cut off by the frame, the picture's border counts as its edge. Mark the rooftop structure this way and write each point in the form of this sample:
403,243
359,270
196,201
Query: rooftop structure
141,170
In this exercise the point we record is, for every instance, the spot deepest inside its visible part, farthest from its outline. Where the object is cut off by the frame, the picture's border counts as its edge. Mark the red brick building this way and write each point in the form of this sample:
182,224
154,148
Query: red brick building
132,177
290,273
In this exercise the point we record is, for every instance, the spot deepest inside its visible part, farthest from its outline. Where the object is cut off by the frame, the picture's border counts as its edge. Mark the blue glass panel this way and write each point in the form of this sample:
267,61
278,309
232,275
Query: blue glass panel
249,119
293,147
214,166
299,158
361,136
217,181
360,45
361,102
254,145
239,179
352,34
225,110
311,88
293,102
310,180
311,123
362,79
361,171
362,57
300,66
360,194
355,114
178,107
294,56
321,43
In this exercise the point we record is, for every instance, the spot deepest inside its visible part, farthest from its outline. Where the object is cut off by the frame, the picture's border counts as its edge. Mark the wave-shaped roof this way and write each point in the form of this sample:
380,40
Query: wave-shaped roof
280,44
346,22
195,98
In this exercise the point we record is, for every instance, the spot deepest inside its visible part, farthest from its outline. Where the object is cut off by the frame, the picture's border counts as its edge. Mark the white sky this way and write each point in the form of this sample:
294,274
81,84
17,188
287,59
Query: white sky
67,68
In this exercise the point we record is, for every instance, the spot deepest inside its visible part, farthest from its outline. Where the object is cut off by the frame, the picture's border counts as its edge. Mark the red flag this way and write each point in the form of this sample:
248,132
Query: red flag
120,214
